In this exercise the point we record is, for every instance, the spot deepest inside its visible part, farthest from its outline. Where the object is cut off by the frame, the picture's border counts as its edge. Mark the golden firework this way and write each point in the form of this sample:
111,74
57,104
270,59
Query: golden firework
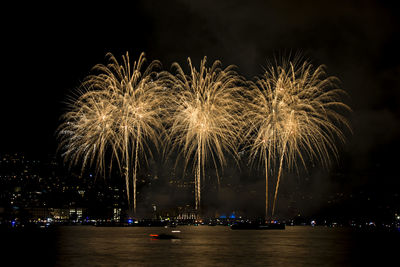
295,114
118,112
205,117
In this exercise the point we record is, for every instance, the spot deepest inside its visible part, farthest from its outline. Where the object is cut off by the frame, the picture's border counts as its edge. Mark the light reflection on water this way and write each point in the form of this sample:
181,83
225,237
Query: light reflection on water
213,246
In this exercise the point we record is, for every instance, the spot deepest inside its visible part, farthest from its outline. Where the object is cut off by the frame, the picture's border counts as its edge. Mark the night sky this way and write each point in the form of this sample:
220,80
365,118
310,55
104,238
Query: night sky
48,50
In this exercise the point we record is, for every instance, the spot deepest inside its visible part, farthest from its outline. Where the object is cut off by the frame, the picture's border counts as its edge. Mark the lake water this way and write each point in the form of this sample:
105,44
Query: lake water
209,246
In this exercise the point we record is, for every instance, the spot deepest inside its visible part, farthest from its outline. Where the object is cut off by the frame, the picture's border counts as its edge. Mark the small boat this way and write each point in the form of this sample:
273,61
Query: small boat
255,226
163,236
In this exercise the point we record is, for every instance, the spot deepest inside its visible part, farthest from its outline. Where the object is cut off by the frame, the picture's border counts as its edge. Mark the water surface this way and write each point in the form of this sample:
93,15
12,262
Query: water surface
221,246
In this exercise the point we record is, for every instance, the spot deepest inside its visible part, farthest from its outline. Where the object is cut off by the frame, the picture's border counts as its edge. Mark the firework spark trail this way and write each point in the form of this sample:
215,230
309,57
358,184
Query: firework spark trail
118,112
205,117
87,130
295,113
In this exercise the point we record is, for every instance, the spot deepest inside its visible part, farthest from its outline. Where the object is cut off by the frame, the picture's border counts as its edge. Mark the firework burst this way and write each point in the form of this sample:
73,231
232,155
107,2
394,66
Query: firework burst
205,116
295,115
117,113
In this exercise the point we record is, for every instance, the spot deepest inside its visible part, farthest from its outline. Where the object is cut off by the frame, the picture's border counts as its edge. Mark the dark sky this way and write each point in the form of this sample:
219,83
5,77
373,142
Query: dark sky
48,50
